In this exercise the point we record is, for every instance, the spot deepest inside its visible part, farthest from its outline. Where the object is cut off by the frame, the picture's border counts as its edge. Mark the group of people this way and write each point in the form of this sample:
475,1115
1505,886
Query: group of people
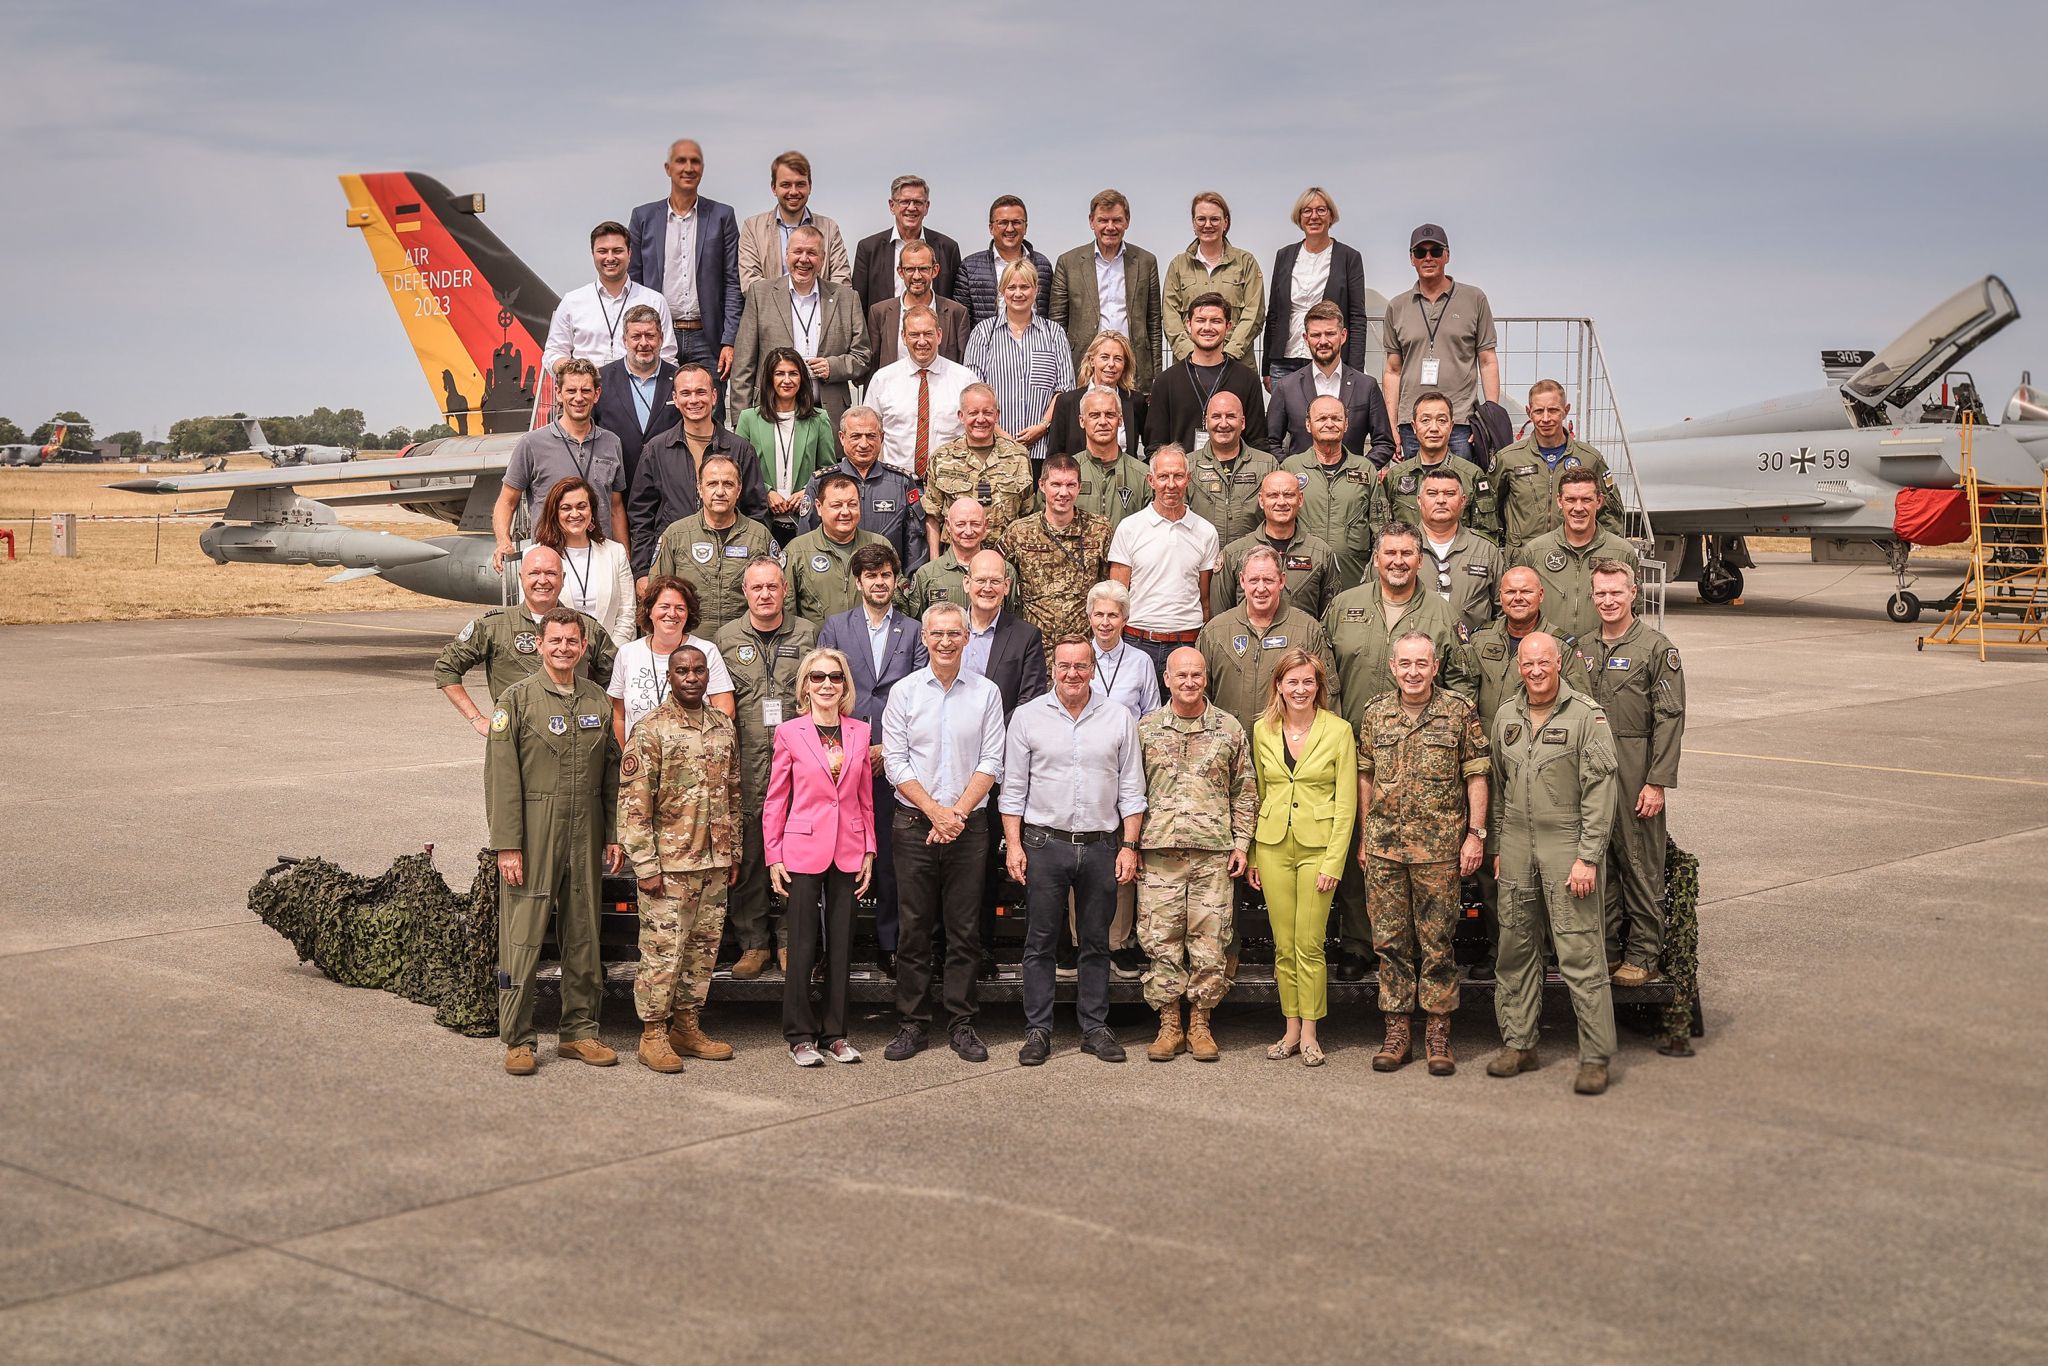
1030,604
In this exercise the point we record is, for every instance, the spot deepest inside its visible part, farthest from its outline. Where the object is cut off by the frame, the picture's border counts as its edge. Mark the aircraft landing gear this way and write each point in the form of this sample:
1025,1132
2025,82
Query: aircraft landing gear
1902,607
1720,582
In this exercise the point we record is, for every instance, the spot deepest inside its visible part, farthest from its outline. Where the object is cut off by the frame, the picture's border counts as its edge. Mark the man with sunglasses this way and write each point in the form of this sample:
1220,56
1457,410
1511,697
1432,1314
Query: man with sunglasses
1463,567
1439,336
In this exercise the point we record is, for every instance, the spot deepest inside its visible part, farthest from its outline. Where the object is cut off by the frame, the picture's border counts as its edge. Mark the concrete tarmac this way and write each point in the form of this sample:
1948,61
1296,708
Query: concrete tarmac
209,1152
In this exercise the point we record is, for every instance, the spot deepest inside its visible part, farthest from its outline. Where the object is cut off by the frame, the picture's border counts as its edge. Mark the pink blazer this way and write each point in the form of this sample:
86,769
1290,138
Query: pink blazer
809,823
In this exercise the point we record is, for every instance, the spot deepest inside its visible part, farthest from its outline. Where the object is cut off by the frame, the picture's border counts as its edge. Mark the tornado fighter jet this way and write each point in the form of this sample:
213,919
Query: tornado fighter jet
1840,464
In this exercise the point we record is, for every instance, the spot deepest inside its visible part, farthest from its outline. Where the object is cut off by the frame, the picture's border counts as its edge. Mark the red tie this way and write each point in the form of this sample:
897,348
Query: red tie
922,453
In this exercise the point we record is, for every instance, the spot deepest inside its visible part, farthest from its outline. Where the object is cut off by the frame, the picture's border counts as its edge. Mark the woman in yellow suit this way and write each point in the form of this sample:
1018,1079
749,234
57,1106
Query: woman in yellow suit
1307,763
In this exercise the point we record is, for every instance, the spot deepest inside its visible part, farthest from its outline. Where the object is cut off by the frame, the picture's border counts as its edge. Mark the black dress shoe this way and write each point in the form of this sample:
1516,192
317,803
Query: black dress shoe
1103,1045
1128,963
1481,972
1037,1048
908,1043
885,962
1350,967
987,971
968,1045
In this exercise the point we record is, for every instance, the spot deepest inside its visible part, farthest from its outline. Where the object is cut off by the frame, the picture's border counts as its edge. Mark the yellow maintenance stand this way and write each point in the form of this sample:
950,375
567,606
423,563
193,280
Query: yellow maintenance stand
2003,601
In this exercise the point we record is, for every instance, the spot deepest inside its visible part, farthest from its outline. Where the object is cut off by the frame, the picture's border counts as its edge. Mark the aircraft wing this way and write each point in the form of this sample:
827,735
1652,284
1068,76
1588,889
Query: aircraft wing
1667,500
298,476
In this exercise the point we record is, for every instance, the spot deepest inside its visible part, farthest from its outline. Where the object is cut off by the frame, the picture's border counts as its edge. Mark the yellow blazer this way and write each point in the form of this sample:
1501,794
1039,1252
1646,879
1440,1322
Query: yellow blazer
1316,803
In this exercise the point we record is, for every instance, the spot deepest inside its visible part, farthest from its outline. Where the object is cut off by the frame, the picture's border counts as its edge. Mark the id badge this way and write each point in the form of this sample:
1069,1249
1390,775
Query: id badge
1201,441
771,711
1429,364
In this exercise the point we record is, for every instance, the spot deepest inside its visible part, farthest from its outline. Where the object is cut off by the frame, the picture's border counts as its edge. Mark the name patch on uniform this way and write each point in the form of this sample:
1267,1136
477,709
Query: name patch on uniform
1493,652
745,654
526,642
1273,643
1477,571
500,719
558,725
1618,662
588,722
1299,564
1556,735
883,505
820,563
1554,562
1354,614
786,652
1250,478
702,551
737,552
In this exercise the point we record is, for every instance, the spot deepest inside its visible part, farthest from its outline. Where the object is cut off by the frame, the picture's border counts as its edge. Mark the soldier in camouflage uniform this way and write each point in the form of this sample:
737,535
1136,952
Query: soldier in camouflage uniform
1400,489
1305,558
815,564
1059,552
1113,484
1202,798
1563,558
1337,489
761,650
1554,757
981,463
711,548
1458,564
679,812
944,579
1636,681
506,640
1224,474
1525,474
551,789
1422,766
1361,625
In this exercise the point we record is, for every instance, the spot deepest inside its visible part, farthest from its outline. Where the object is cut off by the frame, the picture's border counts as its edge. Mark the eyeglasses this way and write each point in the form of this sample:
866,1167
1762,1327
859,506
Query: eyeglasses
1427,249
820,676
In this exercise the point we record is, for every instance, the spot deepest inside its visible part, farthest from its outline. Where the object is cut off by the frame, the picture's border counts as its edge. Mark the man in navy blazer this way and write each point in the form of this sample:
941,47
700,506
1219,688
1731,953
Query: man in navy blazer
861,633
1367,431
638,382
705,308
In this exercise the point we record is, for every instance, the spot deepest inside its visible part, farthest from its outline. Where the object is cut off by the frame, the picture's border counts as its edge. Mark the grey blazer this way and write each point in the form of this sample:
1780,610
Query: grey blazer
765,324
1075,307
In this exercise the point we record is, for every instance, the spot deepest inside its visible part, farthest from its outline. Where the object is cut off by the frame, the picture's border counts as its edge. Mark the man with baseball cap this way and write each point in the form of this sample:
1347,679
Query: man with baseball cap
1439,336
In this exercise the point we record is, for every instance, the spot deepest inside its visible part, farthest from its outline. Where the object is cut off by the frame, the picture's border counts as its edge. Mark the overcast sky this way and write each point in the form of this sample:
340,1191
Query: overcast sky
1724,189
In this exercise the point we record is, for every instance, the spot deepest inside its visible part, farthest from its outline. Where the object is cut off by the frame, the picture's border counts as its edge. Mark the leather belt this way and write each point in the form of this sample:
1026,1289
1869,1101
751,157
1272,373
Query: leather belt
1070,836
1164,637
689,324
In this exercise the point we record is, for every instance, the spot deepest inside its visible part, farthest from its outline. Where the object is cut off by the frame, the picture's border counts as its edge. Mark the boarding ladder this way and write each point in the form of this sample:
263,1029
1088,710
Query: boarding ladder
2003,602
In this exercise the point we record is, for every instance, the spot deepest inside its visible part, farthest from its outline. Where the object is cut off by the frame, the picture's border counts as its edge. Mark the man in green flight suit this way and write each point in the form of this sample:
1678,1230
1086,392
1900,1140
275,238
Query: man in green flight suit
506,640
711,548
1400,488
815,563
551,789
1564,558
1525,474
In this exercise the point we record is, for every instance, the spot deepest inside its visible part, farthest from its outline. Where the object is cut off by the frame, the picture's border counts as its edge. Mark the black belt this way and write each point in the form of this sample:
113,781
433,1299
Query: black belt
1070,836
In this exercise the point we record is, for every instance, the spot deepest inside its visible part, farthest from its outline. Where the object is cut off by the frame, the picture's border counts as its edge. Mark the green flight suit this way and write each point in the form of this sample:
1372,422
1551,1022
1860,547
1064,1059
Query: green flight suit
1636,680
1337,505
1225,493
713,562
763,668
1112,492
1400,494
815,567
1306,561
551,790
1468,577
1555,805
1242,658
1525,489
506,641
1567,574
945,580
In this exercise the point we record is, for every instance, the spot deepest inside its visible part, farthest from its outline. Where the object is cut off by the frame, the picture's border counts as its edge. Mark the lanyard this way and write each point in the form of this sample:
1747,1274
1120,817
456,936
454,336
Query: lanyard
1433,326
801,321
658,677
785,453
1109,688
643,397
767,647
1196,383
582,463
582,576
611,324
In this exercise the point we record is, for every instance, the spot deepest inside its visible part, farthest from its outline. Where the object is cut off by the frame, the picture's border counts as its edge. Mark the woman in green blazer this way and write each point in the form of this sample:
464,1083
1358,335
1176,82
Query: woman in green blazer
792,436
1307,763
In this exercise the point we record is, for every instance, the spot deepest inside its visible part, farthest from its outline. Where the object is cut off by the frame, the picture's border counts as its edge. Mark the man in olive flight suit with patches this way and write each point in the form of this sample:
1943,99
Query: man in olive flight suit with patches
1563,558
1525,474
506,640
821,585
711,548
551,789
1400,489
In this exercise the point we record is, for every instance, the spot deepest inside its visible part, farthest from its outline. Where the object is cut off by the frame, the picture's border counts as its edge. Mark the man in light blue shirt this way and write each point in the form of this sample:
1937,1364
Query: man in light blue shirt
1072,804
942,750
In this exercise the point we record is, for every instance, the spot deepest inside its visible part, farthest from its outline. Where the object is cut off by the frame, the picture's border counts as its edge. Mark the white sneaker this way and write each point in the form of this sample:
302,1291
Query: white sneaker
806,1055
842,1051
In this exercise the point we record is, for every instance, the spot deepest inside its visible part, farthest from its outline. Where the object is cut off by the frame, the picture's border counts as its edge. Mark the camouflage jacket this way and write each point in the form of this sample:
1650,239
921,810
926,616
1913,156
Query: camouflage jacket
998,478
1201,791
679,792
506,641
1418,770
1055,570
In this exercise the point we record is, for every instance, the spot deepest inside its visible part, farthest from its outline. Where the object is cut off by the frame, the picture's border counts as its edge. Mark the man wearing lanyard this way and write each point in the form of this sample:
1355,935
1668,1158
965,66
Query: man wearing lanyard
1439,336
761,652
590,322
570,445
632,397
686,248
1180,400
820,320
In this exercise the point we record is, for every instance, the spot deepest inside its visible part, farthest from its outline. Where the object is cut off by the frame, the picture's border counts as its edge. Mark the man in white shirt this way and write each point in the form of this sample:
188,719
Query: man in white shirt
918,396
1164,554
590,322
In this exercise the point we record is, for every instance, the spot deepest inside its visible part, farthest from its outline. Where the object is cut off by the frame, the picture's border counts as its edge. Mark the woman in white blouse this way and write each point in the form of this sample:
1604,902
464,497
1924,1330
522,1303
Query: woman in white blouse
597,574
640,673
1316,268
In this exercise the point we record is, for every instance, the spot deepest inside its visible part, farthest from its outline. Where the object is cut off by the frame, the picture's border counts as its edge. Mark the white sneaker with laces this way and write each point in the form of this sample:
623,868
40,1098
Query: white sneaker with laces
842,1051
806,1055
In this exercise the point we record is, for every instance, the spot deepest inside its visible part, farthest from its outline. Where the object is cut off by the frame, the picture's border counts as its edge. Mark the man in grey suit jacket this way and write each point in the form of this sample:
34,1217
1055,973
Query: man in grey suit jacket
857,634
818,318
1367,431
917,269
1076,303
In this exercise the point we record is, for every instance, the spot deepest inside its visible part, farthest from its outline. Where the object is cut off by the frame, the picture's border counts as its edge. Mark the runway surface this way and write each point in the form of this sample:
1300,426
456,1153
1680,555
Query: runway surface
210,1152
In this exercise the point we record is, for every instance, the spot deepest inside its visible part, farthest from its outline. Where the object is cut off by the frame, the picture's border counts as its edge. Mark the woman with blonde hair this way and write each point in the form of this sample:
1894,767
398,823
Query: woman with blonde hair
1307,765
597,574
818,835
1023,356
1306,273
1109,363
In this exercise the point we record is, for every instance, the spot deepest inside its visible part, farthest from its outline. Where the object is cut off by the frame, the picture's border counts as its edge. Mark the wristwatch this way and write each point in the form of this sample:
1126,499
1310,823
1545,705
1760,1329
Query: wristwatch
1478,830
1131,845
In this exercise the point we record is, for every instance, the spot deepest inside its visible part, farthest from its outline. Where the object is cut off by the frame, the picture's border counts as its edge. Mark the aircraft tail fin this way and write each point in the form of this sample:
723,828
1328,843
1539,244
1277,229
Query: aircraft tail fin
254,430
476,314
57,435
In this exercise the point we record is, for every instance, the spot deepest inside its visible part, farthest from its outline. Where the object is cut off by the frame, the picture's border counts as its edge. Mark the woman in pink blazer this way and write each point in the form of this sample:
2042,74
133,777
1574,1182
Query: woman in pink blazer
818,833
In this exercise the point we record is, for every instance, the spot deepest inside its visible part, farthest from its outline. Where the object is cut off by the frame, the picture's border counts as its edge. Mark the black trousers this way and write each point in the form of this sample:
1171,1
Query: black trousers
1054,870
820,906
937,884
884,883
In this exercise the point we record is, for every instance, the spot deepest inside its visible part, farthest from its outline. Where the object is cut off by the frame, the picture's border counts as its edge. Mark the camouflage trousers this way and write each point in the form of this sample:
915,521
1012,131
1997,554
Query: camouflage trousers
1184,920
1414,919
679,932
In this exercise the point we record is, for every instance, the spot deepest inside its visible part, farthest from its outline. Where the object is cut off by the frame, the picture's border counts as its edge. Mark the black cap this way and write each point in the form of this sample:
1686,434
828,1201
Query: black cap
1428,232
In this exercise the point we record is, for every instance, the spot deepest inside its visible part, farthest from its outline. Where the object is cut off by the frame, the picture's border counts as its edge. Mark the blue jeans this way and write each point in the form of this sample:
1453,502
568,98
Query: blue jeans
1461,440
1052,869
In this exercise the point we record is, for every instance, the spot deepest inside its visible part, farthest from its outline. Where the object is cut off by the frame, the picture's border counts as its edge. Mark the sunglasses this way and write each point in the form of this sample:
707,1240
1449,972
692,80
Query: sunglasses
820,676
1426,249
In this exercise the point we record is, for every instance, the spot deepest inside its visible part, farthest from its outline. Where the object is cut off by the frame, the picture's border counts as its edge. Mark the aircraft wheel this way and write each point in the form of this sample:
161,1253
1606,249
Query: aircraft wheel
1902,607
1720,583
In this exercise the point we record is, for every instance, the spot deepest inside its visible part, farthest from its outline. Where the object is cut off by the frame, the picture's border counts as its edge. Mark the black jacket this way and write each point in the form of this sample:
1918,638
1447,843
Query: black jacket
874,266
1345,288
1016,660
618,414
665,487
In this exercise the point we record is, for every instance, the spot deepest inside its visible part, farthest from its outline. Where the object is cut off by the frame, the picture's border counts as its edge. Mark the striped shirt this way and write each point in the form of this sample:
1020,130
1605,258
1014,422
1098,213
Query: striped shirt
1026,374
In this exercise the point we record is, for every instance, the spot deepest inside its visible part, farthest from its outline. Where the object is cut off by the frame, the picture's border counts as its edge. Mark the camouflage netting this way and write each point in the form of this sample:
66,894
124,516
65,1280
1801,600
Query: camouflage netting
1681,947
403,931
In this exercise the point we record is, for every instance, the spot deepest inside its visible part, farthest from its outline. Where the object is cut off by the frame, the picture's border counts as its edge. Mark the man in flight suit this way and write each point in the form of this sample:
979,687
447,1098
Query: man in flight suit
506,640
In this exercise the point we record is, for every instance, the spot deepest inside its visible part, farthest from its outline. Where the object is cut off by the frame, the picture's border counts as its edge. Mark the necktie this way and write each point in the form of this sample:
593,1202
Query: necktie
921,454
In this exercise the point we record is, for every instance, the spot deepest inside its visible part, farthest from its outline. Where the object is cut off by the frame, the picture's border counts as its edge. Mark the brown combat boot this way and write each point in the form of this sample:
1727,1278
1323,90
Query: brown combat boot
587,1050
688,1038
1230,968
519,1061
1510,1062
1201,1043
1436,1045
1393,1054
752,964
1171,1041
1634,975
1592,1079
655,1052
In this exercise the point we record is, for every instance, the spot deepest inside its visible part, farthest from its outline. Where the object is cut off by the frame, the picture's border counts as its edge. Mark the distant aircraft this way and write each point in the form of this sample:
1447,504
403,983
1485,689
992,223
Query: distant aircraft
1834,463
282,456
27,455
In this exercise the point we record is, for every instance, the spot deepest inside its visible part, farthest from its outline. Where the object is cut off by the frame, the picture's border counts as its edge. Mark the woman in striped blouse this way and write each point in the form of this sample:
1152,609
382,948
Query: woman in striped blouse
1023,357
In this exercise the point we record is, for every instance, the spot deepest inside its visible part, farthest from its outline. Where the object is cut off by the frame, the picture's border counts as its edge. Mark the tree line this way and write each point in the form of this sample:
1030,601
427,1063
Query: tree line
219,436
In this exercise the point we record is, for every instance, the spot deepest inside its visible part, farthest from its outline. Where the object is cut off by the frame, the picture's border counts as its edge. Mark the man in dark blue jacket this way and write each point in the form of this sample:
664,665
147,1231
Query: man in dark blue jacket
634,391
687,248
